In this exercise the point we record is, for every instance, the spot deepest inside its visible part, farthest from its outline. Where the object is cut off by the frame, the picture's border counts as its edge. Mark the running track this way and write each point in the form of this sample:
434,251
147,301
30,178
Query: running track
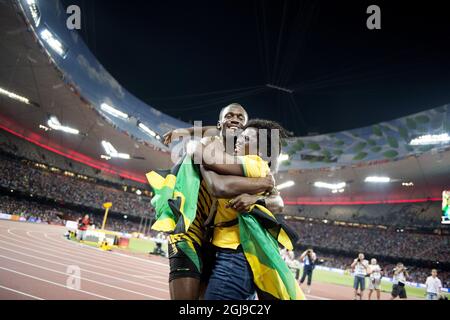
36,263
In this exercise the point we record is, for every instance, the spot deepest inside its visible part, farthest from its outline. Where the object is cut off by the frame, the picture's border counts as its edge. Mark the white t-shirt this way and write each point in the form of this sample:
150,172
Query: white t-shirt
434,285
400,277
375,271
360,270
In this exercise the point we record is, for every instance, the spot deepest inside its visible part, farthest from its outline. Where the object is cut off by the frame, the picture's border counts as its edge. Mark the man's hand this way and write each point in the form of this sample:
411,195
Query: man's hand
270,180
242,202
173,135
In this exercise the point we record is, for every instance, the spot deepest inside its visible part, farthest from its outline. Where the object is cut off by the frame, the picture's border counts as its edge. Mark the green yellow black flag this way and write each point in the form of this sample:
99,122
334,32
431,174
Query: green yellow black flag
175,196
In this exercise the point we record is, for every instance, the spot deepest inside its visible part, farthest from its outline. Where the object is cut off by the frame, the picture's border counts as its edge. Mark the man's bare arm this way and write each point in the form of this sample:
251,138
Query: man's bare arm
174,134
218,161
274,202
226,186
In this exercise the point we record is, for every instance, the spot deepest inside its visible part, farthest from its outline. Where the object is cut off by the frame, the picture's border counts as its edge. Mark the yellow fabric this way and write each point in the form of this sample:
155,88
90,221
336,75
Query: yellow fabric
283,238
268,280
228,237
158,182
196,230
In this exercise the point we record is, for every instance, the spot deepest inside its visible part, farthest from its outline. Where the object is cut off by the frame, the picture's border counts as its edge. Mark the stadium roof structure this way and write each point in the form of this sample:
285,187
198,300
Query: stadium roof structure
50,66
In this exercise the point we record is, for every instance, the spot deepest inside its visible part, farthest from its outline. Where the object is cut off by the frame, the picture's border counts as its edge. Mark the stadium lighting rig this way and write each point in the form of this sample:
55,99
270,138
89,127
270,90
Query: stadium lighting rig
331,186
285,185
53,42
376,179
147,130
112,152
283,157
113,111
35,12
14,96
54,123
430,139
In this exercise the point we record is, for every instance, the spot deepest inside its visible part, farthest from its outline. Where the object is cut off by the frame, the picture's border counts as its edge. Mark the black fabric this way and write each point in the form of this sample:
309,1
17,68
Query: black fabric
398,291
307,272
180,264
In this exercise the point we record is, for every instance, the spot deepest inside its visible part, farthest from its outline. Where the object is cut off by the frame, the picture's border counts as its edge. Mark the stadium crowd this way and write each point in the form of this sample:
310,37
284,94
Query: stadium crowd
42,213
417,274
66,189
374,241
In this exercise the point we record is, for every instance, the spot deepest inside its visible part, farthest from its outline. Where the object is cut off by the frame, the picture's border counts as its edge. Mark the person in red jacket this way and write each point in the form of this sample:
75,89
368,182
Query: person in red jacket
83,224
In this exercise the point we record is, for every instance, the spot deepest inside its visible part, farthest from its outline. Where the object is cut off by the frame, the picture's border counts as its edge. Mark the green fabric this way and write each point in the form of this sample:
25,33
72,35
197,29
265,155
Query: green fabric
190,253
257,241
168,202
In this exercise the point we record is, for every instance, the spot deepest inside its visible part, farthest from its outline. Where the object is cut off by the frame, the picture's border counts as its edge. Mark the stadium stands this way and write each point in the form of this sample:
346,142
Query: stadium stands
374,241
417,215
32,210
62,188
24,149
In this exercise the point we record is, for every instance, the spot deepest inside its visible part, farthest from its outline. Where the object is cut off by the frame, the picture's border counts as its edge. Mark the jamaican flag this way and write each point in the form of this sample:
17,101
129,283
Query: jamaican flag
260,236
175,202
175,196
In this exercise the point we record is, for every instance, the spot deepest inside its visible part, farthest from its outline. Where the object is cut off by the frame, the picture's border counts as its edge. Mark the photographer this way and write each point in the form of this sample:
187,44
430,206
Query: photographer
375,278
308,258
360,268
398,288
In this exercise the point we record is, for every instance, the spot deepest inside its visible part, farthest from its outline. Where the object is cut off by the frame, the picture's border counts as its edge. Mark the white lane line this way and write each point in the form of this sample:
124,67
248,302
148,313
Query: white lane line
85,270
316,297
54,283
81,278
79,247
73,257
20,292
103,257
149,276
115,253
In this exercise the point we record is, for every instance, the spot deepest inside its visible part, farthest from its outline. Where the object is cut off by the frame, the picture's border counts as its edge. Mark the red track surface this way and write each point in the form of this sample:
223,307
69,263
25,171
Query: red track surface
35,259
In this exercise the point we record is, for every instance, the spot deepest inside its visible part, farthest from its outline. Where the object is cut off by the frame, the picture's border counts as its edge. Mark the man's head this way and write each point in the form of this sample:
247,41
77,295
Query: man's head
261,137
434,273
232,118
373,261
361,256
400,265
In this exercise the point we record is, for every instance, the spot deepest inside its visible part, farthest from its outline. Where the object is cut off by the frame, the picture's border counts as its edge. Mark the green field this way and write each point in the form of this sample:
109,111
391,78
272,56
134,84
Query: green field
325,276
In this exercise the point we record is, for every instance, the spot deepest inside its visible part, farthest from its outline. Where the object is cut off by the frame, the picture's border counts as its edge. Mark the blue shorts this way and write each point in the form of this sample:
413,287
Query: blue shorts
360,281
231,278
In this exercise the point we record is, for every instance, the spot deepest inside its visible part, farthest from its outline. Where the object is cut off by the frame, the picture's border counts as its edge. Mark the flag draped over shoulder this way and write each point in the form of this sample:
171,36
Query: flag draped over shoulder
175,196
175,201
258,231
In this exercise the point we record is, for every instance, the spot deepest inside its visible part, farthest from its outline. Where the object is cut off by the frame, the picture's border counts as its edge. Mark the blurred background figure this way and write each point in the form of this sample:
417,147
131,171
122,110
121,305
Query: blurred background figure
308,258
360,268
376,273
83,224
400,277
434,286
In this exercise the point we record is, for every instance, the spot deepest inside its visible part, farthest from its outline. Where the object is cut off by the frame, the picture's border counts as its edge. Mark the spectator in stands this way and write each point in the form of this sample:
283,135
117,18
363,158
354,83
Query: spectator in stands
433,286
309,260
399,282
375,278
360,268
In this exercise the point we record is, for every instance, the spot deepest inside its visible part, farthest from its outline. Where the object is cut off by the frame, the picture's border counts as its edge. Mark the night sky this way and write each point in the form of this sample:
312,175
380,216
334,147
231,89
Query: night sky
190,58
